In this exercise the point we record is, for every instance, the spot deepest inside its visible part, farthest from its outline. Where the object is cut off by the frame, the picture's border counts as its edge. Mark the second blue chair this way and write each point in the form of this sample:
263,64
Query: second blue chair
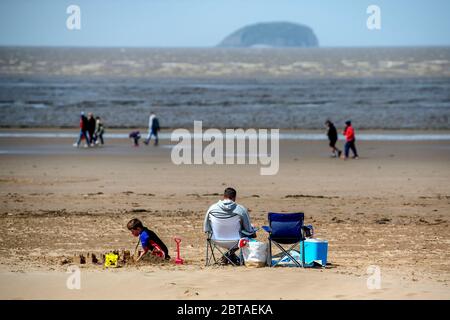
286,229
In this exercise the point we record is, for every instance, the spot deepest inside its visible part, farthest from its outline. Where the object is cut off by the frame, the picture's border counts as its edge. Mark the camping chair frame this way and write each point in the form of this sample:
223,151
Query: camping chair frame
212,244
294,242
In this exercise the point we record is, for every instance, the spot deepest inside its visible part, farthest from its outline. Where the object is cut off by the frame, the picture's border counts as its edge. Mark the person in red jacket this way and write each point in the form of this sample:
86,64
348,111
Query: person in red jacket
349,134
83,131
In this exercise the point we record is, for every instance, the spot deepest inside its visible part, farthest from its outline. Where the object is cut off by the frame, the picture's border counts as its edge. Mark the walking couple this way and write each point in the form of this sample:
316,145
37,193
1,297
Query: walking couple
349,134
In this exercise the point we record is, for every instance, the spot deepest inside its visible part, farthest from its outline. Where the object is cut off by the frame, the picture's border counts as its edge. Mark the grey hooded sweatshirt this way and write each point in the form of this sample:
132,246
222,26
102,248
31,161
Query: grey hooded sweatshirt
228,208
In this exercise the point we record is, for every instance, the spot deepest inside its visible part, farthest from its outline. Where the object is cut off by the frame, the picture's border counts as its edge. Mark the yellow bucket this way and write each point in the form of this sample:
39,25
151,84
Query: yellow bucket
111,260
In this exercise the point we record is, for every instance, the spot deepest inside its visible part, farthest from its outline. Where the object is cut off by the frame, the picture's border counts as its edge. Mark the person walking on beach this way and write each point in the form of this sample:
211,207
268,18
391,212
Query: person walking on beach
99,130
349,134
153,128
83,131
333,137
91,128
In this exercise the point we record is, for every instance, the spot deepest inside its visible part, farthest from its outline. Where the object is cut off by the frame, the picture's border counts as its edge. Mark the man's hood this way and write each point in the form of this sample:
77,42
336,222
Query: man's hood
226,205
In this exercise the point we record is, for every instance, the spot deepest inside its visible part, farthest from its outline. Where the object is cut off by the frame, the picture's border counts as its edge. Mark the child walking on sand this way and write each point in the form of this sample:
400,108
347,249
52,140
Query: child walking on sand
149,240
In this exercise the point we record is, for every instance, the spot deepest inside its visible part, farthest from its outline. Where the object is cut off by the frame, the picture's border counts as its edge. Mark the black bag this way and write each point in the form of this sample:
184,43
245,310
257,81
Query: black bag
308,231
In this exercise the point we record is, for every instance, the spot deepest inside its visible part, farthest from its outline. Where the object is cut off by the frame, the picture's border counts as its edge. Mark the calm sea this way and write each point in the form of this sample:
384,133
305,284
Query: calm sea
377,88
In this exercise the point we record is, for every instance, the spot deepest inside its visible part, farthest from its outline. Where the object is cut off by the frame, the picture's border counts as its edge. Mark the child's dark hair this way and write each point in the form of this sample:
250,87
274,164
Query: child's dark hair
133,224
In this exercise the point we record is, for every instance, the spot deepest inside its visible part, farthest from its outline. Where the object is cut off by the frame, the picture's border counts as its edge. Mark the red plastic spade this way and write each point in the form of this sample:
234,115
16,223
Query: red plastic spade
178,260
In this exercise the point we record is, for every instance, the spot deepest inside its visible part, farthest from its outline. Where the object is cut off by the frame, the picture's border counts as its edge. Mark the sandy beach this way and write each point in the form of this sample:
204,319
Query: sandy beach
390,209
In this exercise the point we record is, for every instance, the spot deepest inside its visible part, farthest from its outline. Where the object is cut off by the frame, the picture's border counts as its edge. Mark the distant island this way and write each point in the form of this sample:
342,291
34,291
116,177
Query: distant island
271,34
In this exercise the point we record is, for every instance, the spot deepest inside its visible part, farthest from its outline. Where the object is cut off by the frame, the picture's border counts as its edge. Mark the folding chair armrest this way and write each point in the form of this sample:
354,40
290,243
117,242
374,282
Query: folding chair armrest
303,234
267,229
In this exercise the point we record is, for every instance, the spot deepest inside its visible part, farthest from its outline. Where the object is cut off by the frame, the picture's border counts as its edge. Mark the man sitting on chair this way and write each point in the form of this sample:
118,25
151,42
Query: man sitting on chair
227,208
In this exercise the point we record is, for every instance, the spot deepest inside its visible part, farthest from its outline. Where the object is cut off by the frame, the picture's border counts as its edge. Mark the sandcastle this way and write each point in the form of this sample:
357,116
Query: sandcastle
95,259
124,258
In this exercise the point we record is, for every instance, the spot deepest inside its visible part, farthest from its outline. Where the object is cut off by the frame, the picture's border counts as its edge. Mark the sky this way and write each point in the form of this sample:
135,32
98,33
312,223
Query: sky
204,23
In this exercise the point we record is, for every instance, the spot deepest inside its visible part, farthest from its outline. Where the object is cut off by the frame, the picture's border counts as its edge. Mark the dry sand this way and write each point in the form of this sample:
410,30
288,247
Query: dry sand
390,208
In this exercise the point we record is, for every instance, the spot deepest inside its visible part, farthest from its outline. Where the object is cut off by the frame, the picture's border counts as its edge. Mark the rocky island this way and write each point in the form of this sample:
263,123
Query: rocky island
271,34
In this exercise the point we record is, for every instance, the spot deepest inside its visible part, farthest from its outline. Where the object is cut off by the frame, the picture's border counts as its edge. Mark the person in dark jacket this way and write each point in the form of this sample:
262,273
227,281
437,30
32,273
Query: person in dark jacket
135,135
333,138
153,129
91,128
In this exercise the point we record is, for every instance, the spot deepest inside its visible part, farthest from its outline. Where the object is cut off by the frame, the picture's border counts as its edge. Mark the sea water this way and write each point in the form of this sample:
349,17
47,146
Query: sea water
377,88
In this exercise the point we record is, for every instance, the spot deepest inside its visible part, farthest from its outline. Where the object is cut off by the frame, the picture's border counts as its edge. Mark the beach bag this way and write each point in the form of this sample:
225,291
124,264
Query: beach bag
254,253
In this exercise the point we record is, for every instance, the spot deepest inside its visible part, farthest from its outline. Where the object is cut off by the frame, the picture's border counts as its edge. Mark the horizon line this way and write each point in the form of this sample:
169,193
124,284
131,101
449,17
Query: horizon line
217,47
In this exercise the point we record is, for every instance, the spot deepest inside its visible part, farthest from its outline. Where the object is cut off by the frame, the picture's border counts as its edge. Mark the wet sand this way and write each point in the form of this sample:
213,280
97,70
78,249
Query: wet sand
390,208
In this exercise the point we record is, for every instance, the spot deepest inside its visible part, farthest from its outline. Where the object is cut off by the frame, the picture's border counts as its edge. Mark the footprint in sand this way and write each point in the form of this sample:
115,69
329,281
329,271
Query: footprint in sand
190,293
375,292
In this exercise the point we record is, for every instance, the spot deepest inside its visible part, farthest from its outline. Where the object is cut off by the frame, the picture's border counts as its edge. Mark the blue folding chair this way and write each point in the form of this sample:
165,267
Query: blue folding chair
286,229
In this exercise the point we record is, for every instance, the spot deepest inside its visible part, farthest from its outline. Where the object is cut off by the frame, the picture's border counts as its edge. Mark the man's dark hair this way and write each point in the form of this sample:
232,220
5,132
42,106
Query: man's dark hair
230,193
133,224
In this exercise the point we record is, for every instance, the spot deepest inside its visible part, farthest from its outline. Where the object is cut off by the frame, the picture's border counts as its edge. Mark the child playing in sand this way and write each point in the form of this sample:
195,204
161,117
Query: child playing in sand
149,240
135,135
